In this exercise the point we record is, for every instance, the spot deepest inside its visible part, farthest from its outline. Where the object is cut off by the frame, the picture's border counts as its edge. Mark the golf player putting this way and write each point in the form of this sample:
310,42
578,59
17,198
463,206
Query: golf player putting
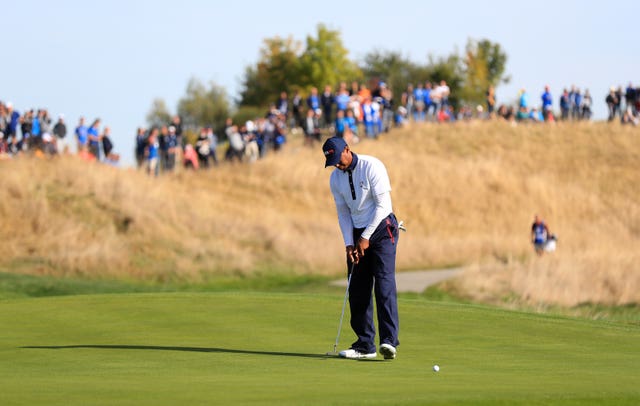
362,194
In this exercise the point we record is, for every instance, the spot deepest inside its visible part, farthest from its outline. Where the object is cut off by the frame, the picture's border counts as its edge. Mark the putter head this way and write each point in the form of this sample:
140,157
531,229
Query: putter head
401,226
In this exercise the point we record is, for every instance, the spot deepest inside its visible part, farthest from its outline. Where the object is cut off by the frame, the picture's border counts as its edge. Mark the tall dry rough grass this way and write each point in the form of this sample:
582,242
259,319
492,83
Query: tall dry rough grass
467,193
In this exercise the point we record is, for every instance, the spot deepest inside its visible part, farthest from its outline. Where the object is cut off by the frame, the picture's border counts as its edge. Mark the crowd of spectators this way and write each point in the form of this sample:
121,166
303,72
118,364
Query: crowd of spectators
161,149
35,132
354,111
573,105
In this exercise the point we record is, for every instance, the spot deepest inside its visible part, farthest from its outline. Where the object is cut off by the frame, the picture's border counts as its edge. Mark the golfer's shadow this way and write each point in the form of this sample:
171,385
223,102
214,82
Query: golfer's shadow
187,349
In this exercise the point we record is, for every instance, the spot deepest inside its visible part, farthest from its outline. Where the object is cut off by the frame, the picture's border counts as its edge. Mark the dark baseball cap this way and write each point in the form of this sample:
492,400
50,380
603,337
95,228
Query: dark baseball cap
332,149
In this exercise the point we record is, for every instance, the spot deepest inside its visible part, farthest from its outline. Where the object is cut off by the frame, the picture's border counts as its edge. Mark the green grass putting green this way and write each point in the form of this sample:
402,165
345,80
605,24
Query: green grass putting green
268,348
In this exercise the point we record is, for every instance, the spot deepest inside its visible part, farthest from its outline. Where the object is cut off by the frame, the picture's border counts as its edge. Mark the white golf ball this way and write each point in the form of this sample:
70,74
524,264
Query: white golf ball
436,368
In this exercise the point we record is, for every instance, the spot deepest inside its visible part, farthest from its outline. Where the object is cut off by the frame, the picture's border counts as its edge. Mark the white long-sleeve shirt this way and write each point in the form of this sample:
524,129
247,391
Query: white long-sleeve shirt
367,203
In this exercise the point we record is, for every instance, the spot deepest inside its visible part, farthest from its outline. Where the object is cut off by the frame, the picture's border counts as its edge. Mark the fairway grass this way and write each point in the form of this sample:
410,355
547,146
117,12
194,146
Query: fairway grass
232,348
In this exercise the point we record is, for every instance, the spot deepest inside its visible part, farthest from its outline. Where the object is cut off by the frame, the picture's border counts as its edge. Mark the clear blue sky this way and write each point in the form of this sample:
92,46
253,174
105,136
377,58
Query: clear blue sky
110,59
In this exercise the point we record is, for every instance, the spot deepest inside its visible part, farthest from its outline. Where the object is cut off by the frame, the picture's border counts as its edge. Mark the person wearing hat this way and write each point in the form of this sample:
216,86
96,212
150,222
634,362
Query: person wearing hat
361,190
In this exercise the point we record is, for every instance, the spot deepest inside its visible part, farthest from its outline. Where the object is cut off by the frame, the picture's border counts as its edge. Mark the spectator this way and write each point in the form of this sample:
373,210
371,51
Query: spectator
45,122
296,108
94,138
311,128
539,235
418,97
535,115
444,92
190,157
386,102
408,100
26,124
630,98
491,101
369,118
327,100
523,102
342,98
236,146
110,157
522,114
250,140
444,114
565,105
587,101
629,118
82,135
349,136
618,105
141,144
13,119
213,145
164,146
313,101
612,102
60,132
351,122
48,145
340,123
35,139
173,147
577,104
203,148
547,103
176,122
282,104
152,152
429,106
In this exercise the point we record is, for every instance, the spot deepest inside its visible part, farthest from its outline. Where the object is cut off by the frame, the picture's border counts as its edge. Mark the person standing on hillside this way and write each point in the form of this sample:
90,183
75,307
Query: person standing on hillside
547,103
60,131
539,234
361,190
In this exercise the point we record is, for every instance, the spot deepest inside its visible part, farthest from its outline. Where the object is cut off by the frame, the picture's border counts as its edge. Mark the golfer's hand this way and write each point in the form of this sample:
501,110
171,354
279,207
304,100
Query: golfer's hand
363,244
352,254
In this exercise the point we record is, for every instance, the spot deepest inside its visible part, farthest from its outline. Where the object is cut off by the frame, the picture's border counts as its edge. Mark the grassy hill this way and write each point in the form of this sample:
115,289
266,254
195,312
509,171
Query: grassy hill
241,348
467,193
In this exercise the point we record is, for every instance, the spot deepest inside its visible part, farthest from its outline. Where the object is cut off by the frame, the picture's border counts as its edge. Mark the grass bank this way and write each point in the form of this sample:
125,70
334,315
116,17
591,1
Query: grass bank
467,193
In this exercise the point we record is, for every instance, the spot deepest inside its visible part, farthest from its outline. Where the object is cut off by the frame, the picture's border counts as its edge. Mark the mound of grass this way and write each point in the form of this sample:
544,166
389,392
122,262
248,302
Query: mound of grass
268,348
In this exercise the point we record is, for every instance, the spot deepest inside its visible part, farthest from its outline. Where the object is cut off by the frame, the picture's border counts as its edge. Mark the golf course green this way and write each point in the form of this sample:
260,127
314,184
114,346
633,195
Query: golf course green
233,348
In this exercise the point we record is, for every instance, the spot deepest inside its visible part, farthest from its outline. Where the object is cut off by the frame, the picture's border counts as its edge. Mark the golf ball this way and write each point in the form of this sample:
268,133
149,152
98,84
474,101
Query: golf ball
436,368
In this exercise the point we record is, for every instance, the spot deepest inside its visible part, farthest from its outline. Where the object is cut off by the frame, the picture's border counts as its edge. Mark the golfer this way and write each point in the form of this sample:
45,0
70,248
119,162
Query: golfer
361,190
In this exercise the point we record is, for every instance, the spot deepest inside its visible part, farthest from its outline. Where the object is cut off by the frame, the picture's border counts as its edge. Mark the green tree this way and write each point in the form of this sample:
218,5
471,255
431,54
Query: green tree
325,60
390,67
278,69
485,64
159,114
450,70
204,106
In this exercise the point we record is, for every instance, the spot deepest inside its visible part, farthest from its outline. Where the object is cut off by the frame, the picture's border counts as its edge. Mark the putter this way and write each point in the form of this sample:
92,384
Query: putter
344,304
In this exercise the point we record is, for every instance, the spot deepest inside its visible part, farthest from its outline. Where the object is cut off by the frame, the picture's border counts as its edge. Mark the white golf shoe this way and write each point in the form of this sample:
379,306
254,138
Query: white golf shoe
388,351
355,354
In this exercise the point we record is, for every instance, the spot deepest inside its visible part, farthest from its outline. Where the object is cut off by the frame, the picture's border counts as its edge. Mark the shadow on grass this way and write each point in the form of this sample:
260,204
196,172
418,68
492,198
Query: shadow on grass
187,349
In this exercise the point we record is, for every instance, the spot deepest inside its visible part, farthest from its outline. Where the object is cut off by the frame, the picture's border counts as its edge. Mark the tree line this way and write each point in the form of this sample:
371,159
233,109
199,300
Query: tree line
287,64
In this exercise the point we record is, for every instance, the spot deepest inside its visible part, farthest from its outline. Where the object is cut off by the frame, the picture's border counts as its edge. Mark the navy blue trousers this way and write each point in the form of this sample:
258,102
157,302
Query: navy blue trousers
376,272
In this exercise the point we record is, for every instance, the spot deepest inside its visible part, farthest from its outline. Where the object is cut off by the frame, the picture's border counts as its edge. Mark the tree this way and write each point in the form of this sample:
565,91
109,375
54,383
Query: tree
202,106
390,67
450,70
484,66
159,114
278,69
325,60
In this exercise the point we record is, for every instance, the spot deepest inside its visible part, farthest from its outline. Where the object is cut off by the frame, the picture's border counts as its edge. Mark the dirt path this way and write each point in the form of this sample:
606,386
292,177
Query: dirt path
416,281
